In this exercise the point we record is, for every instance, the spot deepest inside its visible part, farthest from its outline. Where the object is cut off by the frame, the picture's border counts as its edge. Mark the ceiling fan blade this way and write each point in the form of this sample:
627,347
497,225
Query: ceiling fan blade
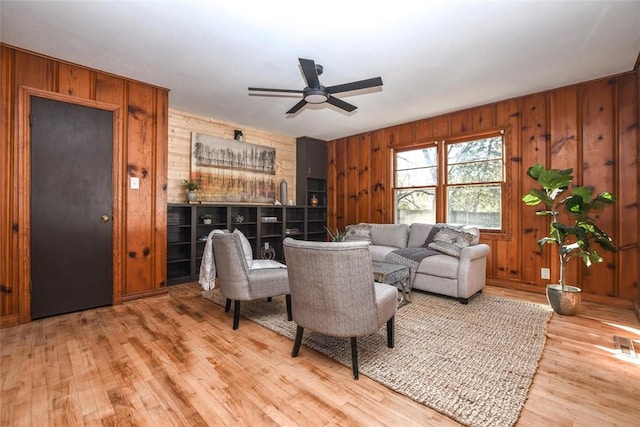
362,84
341,104
297,107
264,89
310,73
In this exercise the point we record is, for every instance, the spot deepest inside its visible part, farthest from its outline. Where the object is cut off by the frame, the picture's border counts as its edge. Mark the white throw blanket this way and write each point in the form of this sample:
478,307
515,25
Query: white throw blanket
208,265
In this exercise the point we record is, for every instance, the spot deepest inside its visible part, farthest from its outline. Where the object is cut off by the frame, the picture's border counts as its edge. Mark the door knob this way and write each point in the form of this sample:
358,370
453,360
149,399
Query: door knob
104,218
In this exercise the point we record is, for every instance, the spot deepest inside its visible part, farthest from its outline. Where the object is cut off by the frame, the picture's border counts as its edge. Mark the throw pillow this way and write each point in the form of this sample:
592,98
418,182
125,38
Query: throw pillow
451,241
358,233
432,235
246,246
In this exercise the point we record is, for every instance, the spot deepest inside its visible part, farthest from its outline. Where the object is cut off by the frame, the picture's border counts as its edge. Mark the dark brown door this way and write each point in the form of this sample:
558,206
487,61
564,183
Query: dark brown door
71,207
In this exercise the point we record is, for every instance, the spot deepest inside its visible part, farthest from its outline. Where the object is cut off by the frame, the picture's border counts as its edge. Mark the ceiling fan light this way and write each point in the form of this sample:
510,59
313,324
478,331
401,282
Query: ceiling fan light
315,96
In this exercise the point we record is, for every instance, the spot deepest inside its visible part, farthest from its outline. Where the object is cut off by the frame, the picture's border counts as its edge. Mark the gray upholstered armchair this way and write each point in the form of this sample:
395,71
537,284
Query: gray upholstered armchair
240,280
333,292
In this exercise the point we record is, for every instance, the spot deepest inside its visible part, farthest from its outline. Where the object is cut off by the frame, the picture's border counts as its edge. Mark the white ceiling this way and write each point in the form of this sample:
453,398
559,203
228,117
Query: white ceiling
434,57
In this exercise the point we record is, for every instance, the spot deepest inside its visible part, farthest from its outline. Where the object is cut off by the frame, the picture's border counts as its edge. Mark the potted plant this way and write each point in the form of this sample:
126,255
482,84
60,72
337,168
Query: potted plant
336,235
206,218
576,237
191,186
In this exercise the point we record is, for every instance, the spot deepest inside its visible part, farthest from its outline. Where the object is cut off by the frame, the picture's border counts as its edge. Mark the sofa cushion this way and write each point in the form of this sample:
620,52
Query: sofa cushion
357,233
450,241
418,234
440,266
378,252
395,235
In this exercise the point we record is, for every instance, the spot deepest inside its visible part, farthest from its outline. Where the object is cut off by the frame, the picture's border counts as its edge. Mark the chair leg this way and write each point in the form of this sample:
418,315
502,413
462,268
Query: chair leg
236,314
354,357
288,299
463,300
391,335
297,342
227,306
269,299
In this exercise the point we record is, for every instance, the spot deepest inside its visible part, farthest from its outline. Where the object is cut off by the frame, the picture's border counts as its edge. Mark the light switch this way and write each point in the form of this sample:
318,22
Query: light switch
135,183
545,273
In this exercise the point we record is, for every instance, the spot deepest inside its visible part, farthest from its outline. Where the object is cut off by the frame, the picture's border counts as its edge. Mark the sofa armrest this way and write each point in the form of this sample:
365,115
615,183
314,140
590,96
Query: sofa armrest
472,271
474,252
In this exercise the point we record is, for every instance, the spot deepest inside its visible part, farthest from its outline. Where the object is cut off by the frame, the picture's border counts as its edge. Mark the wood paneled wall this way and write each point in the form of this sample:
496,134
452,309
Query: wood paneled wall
140,150
592,127
181,125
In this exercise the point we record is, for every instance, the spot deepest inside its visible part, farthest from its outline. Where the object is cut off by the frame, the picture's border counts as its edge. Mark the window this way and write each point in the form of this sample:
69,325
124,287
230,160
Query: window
416,181
459,182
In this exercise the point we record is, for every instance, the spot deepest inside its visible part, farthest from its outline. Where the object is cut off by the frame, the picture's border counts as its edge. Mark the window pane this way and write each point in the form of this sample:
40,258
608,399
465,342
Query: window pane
416,158
475,205
466,173
473,151
415,205
417,177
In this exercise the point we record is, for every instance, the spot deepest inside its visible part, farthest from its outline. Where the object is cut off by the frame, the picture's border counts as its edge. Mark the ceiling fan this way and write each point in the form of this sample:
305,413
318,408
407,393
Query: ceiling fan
315,93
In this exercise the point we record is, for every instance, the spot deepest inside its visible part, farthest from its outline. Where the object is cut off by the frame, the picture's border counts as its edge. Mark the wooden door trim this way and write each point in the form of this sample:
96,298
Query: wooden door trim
22,262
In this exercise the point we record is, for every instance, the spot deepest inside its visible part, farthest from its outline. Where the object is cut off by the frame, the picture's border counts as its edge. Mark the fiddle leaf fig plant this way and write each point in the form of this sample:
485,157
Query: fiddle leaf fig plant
579,235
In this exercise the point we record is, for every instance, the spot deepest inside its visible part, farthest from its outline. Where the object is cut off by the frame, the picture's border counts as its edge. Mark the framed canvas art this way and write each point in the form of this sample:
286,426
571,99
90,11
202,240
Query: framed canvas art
231,171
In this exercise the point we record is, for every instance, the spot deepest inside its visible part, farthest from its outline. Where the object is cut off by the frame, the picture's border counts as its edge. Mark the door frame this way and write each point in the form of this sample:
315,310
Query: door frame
23,262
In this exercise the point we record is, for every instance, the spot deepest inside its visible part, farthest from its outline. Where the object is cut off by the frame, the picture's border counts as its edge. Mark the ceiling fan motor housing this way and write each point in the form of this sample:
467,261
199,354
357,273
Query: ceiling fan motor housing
315,96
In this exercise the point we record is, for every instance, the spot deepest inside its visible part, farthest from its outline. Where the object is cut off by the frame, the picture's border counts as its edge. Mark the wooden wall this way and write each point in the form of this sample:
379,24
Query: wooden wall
140,150
181,125
592,127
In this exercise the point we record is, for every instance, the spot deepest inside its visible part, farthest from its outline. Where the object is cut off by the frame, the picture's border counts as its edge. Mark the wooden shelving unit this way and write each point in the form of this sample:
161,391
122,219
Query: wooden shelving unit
261,224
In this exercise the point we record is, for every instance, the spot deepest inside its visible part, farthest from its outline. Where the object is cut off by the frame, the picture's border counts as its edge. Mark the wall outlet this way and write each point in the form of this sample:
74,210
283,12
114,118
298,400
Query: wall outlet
135,183
545,273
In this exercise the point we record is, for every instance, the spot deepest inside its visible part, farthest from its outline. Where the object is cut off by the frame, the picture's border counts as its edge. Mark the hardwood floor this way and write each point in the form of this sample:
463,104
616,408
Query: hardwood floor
174,360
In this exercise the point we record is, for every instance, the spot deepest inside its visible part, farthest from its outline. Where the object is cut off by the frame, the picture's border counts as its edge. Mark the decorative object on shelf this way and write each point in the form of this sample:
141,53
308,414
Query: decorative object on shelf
238,219
574,239
238,136
290,203
269,219
283,191
314,200
267,251
206,218
191,186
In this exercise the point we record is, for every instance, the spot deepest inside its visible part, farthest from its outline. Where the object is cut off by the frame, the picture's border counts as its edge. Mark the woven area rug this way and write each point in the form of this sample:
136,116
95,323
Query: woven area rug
474,363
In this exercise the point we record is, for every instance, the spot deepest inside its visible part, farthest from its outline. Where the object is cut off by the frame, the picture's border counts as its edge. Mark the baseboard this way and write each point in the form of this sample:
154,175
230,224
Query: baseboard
146,294
8,321
540,289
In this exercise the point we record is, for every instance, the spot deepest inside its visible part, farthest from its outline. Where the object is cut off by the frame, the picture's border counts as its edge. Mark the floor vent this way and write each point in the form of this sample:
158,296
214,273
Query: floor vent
624,346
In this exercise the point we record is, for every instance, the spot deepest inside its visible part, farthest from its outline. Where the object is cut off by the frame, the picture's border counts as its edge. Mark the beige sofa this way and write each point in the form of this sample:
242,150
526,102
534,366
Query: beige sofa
459,277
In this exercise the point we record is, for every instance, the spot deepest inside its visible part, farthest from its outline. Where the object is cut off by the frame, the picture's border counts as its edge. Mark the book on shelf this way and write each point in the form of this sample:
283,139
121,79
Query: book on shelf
269,219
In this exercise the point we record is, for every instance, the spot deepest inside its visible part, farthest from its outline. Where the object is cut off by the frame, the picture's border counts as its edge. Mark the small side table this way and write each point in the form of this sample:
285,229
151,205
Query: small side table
393,274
